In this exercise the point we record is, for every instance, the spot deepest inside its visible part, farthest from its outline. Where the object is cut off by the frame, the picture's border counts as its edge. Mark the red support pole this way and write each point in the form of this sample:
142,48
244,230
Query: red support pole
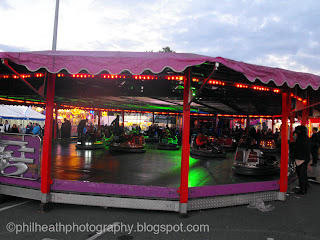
47,138
122,113
305,114
284,144
185,139
55,122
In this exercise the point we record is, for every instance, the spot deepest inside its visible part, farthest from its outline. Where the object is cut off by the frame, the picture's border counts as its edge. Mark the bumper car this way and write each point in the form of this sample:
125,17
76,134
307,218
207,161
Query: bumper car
252,161
110,140
268,146
212,151
227,143
169,144
90,144
134,145
151,139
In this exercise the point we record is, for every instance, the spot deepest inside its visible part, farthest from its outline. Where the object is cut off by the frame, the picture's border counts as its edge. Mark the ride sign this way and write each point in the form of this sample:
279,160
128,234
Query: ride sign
20,156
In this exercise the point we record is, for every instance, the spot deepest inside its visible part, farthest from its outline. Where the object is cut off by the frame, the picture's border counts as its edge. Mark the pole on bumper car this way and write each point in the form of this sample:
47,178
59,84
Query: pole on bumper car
99,119
47,144
122,115
185,144
283,182
55,122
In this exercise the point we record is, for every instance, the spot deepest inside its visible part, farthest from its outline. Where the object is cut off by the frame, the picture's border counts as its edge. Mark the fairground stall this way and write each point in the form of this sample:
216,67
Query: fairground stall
20,115
168,83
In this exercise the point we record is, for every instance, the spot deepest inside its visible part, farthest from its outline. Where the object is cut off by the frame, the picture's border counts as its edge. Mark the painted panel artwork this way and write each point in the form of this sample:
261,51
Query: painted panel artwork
20,156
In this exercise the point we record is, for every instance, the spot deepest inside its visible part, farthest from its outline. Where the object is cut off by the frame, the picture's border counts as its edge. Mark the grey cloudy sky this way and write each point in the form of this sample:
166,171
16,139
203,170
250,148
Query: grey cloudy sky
277,33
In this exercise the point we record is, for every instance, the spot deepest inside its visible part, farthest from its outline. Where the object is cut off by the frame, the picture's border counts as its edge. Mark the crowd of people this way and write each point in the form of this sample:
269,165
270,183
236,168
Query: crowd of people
31,128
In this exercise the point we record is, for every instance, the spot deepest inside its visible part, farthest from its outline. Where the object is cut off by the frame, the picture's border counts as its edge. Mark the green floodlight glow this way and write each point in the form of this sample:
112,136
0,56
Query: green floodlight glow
197,177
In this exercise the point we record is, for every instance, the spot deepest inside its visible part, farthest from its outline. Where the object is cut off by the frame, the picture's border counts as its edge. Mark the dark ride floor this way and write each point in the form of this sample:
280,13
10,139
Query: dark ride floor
153,168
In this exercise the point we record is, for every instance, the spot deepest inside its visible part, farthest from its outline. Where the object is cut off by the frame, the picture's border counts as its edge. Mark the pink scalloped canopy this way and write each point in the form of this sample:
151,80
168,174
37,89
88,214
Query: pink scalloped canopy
137,62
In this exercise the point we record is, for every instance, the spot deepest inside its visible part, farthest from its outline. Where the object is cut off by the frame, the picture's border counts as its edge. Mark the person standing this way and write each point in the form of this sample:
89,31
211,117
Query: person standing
315,146
7,126
36,129
14,129
82,124
302,149
20,128
29,128
67,128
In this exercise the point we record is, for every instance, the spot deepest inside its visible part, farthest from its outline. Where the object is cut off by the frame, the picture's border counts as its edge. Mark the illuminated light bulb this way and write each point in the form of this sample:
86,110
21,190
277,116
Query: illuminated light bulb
112,76
148,77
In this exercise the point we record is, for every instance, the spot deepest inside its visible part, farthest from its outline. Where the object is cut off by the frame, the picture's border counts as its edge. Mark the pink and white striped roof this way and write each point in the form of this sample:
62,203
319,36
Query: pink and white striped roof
137,62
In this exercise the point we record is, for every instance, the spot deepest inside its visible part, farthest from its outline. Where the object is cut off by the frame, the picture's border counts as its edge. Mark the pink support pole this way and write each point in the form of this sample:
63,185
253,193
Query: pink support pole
185,139
47,138
284,144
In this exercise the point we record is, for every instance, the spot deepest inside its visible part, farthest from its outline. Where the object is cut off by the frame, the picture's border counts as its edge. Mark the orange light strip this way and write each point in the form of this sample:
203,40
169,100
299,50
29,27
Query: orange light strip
241,86
144,77
21,101
216,82
37,75
261,88
177,78
245,116
299,98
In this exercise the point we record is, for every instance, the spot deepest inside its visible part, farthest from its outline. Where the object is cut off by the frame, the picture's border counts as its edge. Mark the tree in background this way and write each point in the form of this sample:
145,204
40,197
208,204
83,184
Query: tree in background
164,49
